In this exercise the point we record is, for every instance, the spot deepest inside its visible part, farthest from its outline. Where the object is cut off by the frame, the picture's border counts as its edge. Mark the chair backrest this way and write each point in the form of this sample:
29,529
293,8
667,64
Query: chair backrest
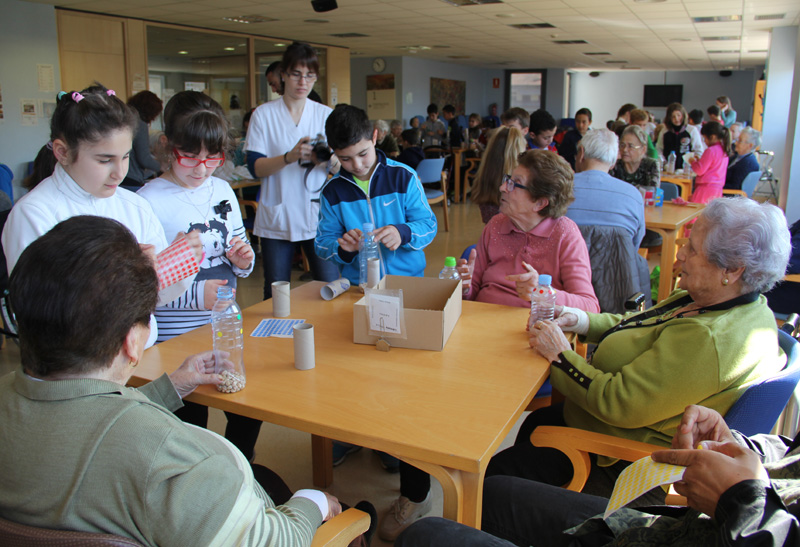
21,535
758,408
671,191
750,182
430,170
615,266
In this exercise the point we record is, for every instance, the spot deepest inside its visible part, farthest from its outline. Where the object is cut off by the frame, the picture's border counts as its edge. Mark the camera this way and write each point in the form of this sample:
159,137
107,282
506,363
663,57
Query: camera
319,149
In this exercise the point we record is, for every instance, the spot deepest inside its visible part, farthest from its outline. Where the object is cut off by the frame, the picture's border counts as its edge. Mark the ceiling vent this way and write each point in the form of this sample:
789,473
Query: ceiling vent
770,17
524,26
461,3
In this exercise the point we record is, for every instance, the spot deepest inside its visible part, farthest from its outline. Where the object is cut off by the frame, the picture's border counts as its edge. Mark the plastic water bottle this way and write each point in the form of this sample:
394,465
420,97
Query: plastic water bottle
226,325
543,301
449,271
671,162
368,248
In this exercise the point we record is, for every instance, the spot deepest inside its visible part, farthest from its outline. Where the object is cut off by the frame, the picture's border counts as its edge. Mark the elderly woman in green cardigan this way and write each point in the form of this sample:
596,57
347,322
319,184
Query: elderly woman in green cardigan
702,345
82,451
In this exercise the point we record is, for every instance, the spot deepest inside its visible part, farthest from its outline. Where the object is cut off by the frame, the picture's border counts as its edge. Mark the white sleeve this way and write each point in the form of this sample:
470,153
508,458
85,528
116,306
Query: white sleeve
25,224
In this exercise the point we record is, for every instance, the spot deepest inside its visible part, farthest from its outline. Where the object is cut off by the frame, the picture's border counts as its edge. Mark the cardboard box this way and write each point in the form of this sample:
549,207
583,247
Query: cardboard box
431,307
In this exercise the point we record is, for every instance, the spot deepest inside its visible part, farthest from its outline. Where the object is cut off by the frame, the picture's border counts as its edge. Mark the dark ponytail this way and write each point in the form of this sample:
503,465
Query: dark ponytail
722,133
89,116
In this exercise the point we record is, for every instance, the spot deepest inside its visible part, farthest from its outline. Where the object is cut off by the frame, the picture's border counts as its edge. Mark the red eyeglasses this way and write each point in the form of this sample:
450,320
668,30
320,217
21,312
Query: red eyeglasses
210,163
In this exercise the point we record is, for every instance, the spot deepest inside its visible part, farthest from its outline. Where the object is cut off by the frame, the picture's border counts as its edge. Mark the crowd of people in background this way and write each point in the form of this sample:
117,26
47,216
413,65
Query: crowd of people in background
539,185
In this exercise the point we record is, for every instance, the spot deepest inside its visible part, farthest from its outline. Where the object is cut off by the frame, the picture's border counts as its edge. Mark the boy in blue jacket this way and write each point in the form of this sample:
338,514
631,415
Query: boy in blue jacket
371,188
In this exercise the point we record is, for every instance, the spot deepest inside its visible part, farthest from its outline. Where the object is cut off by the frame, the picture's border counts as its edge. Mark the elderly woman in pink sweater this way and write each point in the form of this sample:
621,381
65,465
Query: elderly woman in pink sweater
532,236
712,167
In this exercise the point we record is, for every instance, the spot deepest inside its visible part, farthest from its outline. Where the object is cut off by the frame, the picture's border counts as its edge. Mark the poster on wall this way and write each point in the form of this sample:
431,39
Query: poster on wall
46,76
381,97
452,92
194,86
30,111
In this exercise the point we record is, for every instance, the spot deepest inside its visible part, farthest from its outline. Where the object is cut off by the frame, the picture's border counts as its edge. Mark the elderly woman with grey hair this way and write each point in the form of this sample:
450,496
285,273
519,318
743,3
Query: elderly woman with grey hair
385,141
744,161
633,165
702,345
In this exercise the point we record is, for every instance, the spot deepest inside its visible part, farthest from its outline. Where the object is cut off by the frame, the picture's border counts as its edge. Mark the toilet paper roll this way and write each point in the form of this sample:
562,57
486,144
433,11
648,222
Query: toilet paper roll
373,272
280,299
335,288
303,334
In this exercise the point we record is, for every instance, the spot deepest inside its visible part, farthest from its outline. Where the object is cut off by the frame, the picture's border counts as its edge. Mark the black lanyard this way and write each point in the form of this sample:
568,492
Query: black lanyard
636,321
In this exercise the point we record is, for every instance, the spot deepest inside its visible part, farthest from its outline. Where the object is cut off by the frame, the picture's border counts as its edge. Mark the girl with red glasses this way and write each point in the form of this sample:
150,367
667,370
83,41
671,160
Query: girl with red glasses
188,197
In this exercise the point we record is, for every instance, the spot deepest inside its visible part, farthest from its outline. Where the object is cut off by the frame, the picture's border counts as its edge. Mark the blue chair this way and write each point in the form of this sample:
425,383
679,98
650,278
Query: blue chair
748,185
6,176
431,171
750,182
671,191
759,407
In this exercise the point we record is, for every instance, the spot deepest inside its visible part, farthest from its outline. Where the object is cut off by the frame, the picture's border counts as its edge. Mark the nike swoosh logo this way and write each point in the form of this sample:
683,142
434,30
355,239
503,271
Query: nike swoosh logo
387,203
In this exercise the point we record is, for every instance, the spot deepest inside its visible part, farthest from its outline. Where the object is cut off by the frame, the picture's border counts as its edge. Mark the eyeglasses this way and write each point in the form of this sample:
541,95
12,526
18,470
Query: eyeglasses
510,184
624,145
298,76
210,163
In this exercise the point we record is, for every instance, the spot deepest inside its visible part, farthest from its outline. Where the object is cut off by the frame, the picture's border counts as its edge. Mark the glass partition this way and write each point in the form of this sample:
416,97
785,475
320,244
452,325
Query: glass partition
215,64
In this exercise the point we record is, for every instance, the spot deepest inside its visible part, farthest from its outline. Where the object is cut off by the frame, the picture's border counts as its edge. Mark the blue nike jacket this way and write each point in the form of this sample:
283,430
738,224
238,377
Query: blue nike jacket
395,197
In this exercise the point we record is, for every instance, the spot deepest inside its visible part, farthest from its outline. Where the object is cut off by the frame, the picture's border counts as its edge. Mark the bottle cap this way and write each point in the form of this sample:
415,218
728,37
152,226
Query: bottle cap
545,279
368,227
450,262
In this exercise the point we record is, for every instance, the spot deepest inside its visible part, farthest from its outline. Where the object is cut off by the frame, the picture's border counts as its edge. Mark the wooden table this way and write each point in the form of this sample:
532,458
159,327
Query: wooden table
445,412
684,183
668,220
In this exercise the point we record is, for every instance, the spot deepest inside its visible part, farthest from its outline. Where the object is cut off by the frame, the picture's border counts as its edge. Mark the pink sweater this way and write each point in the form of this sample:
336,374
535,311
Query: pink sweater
710,169
554,247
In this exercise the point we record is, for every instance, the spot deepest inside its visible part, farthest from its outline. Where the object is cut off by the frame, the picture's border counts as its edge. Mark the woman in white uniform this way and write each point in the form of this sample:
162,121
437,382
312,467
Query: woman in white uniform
281,152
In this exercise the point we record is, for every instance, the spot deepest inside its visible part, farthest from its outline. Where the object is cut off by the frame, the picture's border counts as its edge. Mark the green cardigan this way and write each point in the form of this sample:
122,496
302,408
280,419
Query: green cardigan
641,379
94,456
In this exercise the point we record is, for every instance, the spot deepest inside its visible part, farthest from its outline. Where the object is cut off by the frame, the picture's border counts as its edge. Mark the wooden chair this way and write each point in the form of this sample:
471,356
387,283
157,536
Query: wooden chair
432,171
469,177
337,532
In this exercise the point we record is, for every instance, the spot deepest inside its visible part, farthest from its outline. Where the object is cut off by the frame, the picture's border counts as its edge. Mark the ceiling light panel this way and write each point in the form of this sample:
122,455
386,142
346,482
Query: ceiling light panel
718,19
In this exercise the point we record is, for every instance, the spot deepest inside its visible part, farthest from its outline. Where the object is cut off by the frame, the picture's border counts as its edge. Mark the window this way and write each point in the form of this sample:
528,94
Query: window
525,88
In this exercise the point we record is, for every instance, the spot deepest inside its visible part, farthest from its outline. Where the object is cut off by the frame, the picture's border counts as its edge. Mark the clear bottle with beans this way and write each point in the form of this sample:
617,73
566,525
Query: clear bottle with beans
228,332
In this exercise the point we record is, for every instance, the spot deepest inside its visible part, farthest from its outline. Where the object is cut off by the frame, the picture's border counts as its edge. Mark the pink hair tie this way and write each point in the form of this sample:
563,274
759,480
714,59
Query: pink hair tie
77,97
111,92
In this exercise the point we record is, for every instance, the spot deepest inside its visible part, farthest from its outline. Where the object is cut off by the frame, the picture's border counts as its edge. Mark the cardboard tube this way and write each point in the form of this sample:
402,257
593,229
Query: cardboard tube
303,334
373,272
335,288
280,299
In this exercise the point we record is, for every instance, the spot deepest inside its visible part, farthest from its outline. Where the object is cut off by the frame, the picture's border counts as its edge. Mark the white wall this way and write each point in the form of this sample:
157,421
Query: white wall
27,38
412,76
604,94
780,115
